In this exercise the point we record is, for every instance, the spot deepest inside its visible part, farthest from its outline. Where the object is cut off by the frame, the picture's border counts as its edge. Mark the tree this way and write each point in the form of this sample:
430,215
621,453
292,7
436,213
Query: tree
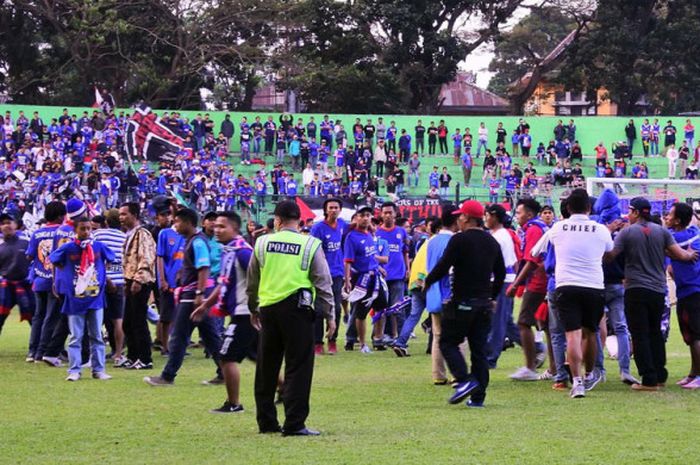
160,51
413,47
517,51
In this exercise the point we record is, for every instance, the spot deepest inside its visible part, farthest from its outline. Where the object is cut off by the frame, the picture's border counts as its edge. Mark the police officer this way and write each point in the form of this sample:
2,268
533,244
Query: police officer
286,270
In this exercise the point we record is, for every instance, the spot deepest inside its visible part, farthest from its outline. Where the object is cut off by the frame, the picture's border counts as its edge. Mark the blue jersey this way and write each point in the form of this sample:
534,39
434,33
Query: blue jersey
67,260
398,246
331,240
64,235
687,274
434,179
360,250
40,247
171,248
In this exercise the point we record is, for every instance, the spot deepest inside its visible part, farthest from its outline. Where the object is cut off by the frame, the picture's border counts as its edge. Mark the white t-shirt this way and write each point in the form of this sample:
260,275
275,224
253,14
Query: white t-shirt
508,250
579,244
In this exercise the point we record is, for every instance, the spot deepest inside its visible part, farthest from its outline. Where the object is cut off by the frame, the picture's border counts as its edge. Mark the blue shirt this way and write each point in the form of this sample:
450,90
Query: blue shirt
331,240
396,237
360,249
687,274
40,247
67,260
171,248
64,235
215,250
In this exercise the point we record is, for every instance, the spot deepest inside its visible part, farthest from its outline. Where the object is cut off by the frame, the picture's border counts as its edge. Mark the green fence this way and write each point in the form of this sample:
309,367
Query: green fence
590,129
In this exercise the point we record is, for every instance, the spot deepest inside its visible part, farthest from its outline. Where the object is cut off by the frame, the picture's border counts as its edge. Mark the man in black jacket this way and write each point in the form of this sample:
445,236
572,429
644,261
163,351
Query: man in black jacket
227,130
475,256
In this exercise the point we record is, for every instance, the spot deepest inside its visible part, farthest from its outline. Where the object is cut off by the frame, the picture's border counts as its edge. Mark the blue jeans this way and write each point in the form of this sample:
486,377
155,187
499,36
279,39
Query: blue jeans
444,191
413,175
654,147
396,293
417,307
481,143
615,306
557,335
76,324
181,333
499,326
46,316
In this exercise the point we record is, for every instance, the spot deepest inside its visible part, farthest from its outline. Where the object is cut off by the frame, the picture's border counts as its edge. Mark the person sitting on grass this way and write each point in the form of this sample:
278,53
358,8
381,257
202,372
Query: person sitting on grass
82,263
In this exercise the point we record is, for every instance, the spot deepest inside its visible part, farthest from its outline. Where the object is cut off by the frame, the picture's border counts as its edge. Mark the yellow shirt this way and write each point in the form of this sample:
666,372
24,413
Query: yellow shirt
419,267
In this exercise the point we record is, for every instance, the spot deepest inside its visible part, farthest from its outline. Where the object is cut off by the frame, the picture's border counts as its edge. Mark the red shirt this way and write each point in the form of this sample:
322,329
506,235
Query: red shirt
537,282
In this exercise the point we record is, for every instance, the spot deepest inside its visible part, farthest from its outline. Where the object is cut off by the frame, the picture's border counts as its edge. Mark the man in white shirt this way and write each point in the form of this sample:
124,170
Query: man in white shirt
580,244
672,156
502,323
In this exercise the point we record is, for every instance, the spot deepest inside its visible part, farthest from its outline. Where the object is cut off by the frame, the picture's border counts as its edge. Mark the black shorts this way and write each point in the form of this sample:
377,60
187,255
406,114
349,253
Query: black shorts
114,304
688,310
579,307
528,307
166,306
238,336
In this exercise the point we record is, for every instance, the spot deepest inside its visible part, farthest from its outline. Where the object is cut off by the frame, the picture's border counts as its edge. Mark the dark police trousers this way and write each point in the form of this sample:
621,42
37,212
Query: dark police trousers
287,333
474,325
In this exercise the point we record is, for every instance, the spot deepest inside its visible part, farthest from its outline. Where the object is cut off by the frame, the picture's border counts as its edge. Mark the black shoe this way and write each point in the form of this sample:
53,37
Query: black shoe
349,346
400,351
228,408
301,432
276,429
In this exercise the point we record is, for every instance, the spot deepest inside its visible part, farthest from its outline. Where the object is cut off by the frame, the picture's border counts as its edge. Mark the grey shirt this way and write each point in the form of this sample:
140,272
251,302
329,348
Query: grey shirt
14,264
644,245
320,276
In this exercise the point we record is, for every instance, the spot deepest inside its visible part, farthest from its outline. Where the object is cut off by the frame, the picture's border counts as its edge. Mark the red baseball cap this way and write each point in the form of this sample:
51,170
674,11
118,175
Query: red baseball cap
471,208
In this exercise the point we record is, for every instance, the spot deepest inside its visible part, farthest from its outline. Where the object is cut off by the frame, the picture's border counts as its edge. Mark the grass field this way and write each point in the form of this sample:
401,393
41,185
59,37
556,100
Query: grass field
371,409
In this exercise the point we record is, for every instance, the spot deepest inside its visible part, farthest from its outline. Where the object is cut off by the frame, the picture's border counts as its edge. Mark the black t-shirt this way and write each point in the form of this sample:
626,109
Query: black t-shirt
475,256
369,131
501,135
420,132
399,175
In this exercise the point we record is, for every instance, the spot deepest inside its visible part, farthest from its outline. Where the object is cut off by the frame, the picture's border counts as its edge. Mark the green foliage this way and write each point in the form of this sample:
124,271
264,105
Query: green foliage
640,48
518,50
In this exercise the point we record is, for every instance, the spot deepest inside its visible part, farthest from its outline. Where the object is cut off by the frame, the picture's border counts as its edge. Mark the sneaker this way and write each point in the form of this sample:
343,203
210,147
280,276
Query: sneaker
642,388
439,382
694,384
332,348
52,361
87,364
629,379
29,358
157,381
462,391
365,349
400,351
475,404
73,377
349,346
378,344
578,391
524,374
101,375
560,386
120,362
139,365
228,408
592,379
685,380
318,350
215,381
545,376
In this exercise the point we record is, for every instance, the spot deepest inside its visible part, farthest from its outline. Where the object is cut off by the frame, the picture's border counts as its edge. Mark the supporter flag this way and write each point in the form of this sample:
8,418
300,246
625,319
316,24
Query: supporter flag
98,99
306,212
147,137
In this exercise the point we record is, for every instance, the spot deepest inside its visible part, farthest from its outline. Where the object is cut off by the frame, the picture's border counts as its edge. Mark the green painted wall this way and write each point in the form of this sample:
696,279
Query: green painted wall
590,130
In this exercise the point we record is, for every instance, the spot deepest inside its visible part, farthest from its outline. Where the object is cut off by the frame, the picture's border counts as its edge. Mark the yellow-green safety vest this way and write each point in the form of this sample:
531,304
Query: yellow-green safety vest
285,259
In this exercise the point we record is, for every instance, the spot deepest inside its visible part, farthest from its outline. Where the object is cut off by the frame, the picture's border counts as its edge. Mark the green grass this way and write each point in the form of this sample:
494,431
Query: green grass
371,409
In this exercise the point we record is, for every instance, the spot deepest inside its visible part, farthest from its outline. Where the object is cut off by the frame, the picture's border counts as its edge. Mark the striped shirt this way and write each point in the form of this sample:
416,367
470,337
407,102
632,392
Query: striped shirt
114,240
